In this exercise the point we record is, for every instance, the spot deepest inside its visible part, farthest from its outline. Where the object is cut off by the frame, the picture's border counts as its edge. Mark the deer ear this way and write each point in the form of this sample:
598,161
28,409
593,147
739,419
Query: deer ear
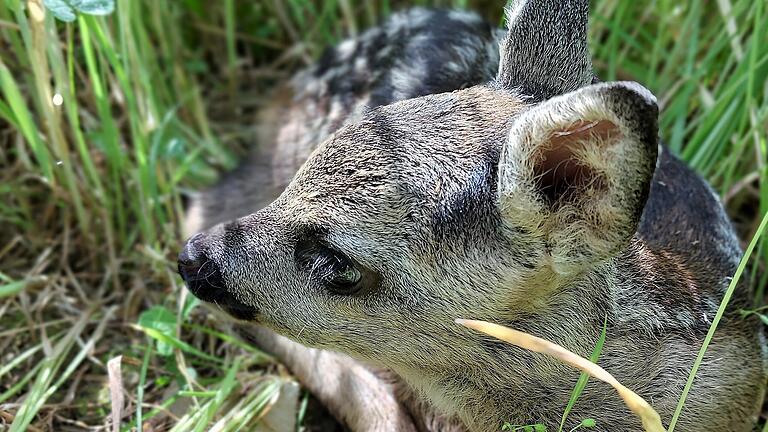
545,52
576,171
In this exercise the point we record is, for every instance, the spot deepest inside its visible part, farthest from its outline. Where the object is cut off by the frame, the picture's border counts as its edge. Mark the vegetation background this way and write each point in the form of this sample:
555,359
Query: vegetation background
106,121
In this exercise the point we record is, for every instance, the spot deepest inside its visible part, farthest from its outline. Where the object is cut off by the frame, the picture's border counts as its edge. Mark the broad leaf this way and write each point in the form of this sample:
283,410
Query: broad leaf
67,10
162,321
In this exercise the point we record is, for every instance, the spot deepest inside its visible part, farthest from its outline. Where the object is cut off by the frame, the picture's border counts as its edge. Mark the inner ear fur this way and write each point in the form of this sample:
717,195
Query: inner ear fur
576,171
562,170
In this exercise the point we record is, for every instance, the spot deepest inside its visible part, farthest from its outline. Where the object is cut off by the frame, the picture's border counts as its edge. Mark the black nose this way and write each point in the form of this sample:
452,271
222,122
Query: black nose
199,272
203,277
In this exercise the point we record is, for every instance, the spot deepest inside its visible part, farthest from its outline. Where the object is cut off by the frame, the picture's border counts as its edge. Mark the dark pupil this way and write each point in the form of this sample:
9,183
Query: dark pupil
340,274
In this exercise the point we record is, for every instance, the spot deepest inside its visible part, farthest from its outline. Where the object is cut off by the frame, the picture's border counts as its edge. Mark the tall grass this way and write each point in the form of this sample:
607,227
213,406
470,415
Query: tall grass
158,97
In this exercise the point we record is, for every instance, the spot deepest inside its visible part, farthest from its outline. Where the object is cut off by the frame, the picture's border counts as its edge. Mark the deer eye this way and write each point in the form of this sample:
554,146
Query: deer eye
336,271
342,275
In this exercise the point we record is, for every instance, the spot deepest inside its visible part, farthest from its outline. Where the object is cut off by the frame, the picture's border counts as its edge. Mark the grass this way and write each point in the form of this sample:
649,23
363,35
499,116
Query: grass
584,377
159,97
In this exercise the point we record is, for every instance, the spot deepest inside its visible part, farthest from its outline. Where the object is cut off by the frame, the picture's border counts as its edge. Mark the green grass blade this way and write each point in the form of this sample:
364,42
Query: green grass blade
140,389
23,356
253,406
12,288
23,116
178,344
584,377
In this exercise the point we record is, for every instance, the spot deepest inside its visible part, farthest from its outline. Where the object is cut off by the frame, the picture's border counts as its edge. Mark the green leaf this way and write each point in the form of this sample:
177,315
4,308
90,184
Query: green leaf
189,305
94,7
61,9
66,10
588,423
163,321
162,381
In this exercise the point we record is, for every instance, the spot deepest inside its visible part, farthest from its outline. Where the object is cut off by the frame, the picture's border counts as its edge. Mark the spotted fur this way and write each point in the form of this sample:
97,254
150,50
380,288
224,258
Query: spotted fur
531,198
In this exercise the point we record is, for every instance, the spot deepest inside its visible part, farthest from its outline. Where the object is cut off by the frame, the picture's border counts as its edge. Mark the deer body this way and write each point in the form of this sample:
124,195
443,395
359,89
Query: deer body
422,172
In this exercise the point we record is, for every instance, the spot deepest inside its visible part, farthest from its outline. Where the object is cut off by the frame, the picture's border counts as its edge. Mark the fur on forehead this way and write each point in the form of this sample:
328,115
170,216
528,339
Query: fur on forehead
434,151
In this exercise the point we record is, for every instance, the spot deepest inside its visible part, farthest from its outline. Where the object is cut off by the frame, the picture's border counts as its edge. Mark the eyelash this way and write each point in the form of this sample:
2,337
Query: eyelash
329,266
322,261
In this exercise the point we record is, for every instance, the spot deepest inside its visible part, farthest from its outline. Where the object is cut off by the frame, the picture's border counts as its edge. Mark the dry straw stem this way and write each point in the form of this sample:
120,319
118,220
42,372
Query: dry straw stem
649,416
116,390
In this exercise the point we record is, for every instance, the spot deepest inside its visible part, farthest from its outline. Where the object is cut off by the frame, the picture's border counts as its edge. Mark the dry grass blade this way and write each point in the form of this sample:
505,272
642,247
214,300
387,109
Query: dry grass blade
649,416
116,390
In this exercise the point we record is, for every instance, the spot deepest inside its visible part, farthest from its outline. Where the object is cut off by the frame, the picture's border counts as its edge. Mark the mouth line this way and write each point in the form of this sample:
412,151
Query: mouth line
224,300
240,311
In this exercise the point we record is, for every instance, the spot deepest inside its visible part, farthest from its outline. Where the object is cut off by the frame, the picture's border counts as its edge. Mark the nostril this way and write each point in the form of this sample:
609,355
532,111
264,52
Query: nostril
188,269
185,259
190,259
201,275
